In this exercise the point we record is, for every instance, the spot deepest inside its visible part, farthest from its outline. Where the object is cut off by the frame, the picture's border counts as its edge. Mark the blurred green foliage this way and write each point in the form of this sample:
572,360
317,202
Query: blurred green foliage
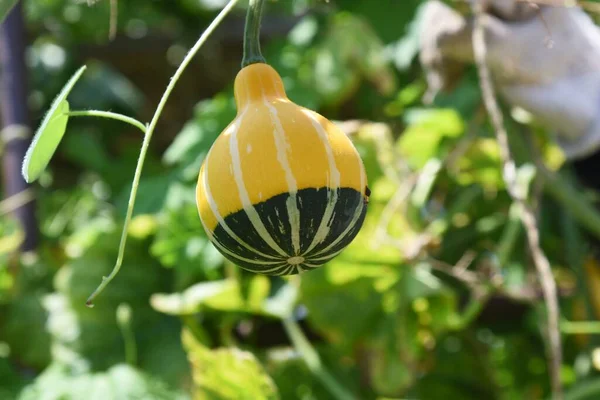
388,318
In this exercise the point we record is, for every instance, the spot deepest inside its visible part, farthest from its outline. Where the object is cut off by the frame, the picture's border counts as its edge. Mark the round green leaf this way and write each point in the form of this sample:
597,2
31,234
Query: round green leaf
50,133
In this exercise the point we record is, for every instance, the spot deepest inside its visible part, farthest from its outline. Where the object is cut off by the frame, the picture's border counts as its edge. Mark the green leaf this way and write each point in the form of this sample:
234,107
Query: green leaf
12,380
325,290
350,52
224,295
406,49
227,373
24,330
152,192
481,164
388,19
190,301
197,136
430,134
287,369
119,382
91,338
586,390
161,353
282,303
417,206
180,241
11,237
392,347
50,133
448,378
107,87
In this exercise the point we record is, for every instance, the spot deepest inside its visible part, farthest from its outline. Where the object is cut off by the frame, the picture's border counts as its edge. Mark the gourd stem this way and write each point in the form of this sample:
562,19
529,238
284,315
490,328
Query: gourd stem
252,53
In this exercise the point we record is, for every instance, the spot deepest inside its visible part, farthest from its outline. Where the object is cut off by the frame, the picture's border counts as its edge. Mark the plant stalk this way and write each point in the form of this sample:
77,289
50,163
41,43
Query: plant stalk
252,53
124,320
313,362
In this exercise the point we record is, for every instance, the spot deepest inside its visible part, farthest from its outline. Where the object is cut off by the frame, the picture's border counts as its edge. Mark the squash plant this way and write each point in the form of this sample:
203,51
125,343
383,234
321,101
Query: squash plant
291,205
381,322
282,190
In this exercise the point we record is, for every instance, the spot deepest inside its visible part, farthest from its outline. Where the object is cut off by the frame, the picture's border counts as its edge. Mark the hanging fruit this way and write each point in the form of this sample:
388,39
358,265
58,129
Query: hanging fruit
282,189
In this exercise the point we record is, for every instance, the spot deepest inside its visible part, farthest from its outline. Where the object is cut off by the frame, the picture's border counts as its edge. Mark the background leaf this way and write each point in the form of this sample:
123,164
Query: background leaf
50,133
227,373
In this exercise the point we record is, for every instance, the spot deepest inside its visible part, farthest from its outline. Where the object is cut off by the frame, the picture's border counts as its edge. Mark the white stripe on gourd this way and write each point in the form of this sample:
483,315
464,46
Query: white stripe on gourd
291,202
245,197
355,217
276,268
324,258
311,266
287,270
332,192
214,240
220,220
281,145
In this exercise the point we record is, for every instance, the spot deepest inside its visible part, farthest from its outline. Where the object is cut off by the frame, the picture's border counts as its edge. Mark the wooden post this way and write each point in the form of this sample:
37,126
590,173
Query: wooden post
15,133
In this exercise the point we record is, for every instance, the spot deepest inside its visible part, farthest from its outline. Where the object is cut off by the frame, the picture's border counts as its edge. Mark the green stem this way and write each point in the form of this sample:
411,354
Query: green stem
580,327
574,255
124,322
252,53
149,131
510,236
313,362
109,115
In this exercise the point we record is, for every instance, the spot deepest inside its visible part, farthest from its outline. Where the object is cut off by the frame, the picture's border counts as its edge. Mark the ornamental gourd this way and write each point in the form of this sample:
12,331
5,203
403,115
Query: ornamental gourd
282,190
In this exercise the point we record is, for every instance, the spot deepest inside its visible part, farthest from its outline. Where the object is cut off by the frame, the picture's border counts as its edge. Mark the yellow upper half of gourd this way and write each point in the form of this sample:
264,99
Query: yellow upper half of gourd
273,146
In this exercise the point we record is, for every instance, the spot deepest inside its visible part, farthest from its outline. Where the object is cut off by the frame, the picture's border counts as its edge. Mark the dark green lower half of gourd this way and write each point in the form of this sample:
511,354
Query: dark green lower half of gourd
347,218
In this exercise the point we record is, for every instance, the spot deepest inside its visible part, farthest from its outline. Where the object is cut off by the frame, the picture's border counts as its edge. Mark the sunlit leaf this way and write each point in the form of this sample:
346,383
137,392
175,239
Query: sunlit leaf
392,348
428,134
227,373
283,302
333,304
350,51
481,164
50,133
422,192
224,295
92,339
287,368
119,382
11,238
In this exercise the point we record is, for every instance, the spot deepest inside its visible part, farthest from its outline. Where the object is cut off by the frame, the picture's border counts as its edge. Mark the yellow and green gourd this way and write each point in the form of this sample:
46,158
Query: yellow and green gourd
282,189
